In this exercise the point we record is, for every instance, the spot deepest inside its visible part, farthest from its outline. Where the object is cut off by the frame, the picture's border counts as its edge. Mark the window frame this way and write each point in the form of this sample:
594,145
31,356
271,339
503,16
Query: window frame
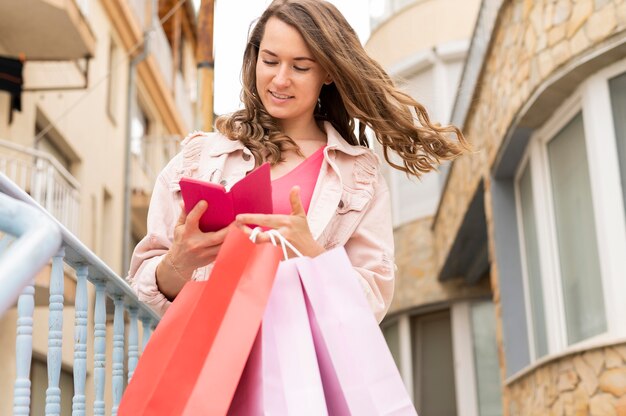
592,100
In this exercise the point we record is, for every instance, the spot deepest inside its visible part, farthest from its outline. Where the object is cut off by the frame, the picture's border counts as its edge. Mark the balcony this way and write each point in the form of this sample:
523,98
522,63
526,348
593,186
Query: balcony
45,30
47,182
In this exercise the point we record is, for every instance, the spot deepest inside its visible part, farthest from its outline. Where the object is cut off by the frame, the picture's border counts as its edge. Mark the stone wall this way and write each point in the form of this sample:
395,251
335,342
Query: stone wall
592,382
532,40
416,278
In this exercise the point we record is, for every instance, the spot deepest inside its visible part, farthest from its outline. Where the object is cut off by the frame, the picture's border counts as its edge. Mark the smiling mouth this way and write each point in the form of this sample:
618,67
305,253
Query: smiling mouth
280,96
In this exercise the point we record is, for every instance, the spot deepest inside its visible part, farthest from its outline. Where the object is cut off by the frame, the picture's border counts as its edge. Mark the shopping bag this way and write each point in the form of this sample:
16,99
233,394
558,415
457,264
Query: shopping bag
195,357
281,376
358,372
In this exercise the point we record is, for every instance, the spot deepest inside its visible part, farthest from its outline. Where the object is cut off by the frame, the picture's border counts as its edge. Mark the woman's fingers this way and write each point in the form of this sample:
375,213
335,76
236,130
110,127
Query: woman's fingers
263,220
193,218
183,214
296,202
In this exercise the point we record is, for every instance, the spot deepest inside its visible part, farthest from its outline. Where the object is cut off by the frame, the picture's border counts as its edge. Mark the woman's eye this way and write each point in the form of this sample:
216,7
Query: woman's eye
297,68
270,63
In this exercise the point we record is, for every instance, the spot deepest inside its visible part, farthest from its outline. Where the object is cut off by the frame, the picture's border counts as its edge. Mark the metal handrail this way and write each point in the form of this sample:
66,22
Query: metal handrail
70,250
38,239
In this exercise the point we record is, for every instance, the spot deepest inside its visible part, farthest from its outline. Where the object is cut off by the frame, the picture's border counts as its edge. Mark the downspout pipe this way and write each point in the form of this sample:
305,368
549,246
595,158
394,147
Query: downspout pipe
131,91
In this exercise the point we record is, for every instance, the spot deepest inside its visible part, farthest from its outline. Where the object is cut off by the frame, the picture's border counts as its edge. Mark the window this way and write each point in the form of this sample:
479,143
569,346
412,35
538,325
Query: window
576,233
434,385
487,367
617,87
114,75
533,270
569,191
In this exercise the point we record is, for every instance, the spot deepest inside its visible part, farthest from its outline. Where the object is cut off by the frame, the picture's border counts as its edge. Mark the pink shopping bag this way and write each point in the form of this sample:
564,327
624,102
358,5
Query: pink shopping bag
281,376
358,372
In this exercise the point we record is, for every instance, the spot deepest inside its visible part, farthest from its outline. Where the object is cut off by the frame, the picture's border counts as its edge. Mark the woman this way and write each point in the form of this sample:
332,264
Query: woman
309,91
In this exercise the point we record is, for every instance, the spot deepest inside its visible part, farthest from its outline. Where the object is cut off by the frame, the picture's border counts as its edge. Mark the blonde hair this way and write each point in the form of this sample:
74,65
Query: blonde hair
361,90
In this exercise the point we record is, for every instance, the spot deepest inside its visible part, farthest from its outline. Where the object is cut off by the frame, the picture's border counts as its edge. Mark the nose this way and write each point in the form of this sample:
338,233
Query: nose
282,78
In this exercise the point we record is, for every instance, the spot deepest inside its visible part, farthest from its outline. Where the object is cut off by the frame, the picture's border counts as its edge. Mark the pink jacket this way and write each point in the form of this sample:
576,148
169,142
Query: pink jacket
350,207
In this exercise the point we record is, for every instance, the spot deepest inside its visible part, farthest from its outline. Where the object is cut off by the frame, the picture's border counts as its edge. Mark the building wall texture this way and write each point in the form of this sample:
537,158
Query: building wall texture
589,382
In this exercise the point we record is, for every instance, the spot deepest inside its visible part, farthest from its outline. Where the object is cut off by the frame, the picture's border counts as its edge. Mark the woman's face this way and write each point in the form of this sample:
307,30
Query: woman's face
288,79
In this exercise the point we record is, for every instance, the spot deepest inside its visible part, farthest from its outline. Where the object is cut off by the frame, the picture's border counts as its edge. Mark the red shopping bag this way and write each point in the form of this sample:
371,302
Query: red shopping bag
195,357
282,376
358,372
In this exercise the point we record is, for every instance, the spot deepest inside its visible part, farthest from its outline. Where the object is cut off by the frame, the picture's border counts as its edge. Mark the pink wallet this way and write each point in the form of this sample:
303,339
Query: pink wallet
251,195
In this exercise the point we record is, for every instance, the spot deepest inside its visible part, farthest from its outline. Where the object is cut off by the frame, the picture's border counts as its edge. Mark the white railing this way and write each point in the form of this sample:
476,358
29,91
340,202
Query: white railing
45,179
87,268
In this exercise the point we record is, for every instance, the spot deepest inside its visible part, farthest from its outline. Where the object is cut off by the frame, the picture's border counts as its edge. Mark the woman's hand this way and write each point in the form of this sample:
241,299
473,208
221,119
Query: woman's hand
193,248
293,227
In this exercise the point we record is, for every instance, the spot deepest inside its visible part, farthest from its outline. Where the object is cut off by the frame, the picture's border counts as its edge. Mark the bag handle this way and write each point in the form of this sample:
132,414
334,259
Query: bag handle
273,235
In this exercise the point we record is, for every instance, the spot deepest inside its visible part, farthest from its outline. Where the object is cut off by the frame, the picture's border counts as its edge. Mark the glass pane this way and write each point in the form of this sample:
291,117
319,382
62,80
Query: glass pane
488,383
533,271
392,335
576,233
433,365
618,100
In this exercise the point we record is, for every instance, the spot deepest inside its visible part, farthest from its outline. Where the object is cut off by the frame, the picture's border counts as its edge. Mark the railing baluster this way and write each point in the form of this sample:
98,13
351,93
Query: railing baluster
133,342
55,336
80,345
24,351
118,352
146,323
99,348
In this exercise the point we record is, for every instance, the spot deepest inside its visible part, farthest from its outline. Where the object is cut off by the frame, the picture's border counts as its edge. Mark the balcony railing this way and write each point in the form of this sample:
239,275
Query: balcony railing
45,179
22,249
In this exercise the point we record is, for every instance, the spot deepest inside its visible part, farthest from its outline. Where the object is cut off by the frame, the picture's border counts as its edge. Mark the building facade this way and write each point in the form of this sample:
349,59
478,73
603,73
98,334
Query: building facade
441,325
103,83
542,100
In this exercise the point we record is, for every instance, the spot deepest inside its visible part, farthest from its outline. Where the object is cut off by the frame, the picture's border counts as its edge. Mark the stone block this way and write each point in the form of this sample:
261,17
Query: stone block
556,34
621,350
581,402
595,359
580,13
561,53
562,12
602,405
568,381
588,377
614,381
620,406
579,42
546,64
601,23
612,359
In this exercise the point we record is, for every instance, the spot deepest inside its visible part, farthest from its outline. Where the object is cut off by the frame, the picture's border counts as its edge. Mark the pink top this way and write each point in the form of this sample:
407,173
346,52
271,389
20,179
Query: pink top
305,176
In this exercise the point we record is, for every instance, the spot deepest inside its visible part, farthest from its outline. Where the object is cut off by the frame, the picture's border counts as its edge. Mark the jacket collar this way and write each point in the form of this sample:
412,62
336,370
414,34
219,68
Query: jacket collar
336,142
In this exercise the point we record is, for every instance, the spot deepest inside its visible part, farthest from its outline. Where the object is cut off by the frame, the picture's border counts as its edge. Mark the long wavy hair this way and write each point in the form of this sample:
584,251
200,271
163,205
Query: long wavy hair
361,90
